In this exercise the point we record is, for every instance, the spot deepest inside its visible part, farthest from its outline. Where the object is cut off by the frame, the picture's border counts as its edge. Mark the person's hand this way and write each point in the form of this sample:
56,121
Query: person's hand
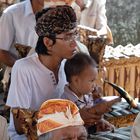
103,107
104,125
88,117
97,93
81,4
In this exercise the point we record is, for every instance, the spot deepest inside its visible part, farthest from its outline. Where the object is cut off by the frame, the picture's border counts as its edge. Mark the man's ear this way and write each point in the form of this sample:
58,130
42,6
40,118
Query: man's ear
48,42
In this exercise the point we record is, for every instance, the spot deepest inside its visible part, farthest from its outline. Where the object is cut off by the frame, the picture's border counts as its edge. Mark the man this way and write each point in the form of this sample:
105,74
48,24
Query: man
17,25
3,131
40,76
60,119
94,15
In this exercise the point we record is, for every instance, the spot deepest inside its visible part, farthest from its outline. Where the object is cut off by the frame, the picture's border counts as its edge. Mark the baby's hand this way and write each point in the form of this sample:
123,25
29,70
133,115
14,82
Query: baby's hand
104,107
97,93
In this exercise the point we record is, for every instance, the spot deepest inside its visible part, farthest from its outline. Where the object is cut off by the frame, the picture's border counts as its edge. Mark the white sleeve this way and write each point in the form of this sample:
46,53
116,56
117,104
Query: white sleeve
135,133
101,21
20,91
6,31
82,48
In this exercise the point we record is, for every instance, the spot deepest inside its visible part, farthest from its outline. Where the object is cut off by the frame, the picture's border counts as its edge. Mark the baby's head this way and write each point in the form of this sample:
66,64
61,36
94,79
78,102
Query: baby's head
81,73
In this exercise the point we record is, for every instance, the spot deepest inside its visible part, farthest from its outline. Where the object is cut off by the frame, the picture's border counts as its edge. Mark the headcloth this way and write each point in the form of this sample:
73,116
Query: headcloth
55,20
57,113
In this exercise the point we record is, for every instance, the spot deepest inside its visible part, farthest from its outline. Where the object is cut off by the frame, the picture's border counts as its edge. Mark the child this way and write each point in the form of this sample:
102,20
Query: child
81,73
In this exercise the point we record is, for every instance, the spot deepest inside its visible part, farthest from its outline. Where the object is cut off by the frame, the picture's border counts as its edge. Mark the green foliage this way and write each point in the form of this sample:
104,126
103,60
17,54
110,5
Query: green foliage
124,21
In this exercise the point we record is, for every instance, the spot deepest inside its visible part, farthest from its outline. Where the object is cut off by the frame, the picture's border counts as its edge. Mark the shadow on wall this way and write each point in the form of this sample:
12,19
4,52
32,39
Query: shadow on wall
124,21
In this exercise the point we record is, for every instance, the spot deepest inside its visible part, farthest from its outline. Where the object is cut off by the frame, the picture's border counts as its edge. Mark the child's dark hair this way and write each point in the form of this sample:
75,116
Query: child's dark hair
77,64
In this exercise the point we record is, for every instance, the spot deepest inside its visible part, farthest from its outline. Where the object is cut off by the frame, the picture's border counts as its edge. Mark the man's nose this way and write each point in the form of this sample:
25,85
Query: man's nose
73,43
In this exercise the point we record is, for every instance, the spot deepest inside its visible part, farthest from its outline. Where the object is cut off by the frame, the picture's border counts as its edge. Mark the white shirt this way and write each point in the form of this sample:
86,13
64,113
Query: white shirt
32,84
135,133
94,15
3,129
17,26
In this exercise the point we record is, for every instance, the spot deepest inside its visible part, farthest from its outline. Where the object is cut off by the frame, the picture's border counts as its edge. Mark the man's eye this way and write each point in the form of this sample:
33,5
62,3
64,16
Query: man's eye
67,37
91,81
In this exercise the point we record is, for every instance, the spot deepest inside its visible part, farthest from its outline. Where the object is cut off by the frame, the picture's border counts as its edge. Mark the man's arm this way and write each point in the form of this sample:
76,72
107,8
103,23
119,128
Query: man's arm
7,34
7,58
135,132
81,4
101,21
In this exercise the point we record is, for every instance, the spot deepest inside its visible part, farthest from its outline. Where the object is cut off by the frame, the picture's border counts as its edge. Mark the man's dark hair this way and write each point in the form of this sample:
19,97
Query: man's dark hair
40,46
51,22
77,64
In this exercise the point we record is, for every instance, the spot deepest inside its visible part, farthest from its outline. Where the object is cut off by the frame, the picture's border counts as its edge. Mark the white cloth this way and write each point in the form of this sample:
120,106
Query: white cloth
17,26
82,48
3,129
94,15
32,84
135,133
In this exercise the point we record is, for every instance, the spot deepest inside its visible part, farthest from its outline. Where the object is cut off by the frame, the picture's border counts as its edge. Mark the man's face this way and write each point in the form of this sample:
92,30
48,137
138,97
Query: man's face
70,133
65,46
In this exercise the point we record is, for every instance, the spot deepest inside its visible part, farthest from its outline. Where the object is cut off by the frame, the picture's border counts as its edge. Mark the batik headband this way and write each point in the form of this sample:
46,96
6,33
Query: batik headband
56,20
52,3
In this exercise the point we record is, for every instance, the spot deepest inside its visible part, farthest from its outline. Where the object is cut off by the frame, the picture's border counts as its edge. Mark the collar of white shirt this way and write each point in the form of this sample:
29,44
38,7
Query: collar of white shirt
28,8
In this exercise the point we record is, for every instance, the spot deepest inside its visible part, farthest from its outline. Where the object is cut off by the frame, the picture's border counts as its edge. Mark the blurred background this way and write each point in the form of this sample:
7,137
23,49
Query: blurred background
123,19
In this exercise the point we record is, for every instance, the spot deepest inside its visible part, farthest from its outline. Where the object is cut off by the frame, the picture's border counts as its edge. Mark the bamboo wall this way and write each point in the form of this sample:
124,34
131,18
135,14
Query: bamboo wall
122,63
123,70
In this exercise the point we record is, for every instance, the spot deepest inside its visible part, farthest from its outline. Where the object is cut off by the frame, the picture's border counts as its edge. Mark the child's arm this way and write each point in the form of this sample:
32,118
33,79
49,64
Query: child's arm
103,107
92,115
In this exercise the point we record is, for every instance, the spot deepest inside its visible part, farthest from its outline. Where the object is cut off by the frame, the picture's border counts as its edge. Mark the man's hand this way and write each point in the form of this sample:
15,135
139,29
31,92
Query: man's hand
7,58
81,4
104,125
88,117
